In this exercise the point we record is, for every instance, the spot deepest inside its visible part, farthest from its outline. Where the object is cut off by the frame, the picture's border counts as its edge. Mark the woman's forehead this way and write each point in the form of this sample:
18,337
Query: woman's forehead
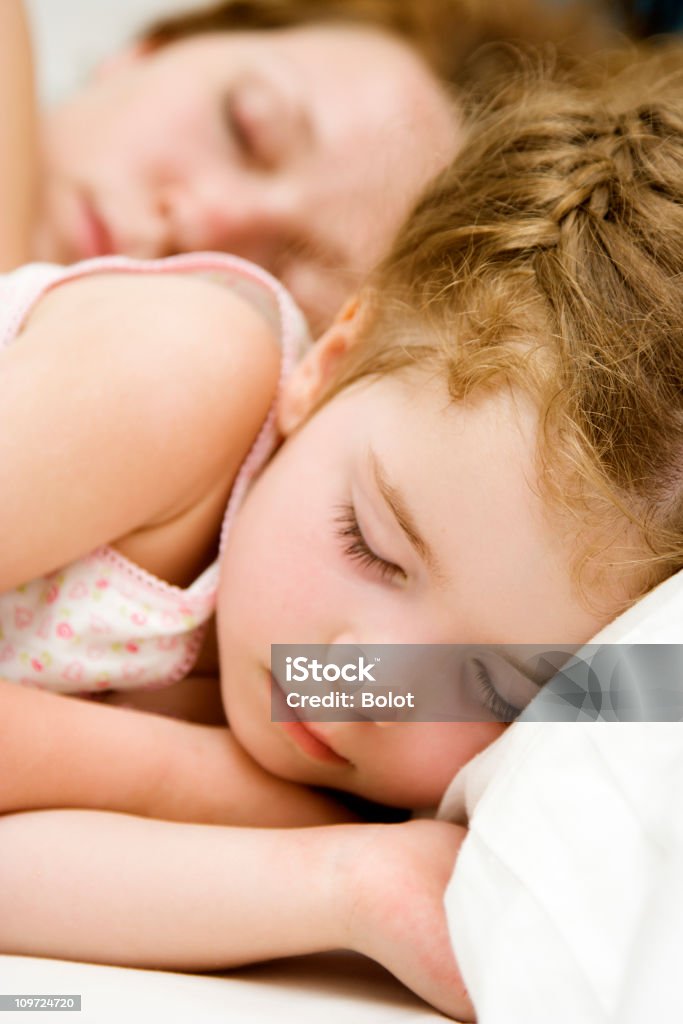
366,80
377,127
381,128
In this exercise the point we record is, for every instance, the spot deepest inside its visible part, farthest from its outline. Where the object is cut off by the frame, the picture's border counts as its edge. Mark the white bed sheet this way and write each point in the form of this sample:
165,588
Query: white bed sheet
332,987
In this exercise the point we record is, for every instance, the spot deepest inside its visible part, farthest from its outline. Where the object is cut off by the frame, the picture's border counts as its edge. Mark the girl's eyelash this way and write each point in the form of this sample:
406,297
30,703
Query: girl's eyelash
492,700
358,548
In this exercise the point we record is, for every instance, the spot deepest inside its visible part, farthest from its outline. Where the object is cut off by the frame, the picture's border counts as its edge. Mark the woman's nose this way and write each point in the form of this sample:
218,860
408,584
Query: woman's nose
214,214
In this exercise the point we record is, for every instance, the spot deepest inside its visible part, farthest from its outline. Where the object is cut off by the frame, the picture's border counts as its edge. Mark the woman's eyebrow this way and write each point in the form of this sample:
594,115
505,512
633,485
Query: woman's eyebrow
404,517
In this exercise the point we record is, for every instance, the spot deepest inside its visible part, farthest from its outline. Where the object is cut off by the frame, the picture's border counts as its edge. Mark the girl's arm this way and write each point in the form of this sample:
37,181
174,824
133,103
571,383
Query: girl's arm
127,403
192,699
120,890
18,157
124,400
58,751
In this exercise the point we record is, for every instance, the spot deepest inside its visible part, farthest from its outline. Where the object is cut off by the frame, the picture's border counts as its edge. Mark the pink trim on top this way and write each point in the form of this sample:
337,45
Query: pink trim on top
194,643
151,583
29,291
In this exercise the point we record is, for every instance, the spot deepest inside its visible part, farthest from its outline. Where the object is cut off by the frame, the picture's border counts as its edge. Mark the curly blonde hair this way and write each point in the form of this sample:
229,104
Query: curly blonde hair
549,259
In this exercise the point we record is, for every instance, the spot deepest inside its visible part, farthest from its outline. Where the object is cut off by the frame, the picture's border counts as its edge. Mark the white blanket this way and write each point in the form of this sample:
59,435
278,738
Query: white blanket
567,900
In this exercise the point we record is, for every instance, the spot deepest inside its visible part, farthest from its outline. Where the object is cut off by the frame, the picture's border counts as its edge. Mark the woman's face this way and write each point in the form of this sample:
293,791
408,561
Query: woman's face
300,149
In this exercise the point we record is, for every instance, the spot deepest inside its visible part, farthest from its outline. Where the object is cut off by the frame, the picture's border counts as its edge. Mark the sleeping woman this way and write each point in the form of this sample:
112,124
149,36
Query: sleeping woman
293,134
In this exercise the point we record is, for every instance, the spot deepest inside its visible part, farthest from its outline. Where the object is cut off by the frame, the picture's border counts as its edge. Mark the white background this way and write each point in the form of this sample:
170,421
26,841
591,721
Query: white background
71,36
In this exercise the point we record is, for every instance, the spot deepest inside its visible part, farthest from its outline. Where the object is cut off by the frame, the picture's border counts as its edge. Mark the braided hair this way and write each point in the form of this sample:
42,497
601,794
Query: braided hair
549,259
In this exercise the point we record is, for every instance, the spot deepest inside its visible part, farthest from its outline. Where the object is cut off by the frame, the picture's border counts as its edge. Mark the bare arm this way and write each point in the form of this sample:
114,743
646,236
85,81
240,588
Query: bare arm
192,699
116,889
59,751
17,137
169,419
114,343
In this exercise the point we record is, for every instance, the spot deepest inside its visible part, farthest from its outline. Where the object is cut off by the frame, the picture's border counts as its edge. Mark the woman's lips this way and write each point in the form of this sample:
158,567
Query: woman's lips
302,734
93,235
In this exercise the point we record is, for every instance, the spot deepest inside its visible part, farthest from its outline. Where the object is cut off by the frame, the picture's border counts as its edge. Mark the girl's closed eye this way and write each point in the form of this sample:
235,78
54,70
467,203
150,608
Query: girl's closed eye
348,527
490,698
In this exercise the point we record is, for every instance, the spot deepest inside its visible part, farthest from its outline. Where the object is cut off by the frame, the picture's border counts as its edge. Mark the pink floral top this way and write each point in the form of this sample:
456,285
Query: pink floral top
103,622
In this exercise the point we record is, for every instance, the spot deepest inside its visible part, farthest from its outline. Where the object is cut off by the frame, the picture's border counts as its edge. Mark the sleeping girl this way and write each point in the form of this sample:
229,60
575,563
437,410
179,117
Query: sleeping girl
483,448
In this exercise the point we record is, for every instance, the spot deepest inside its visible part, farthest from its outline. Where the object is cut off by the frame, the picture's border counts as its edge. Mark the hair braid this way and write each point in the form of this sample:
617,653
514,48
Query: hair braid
550,258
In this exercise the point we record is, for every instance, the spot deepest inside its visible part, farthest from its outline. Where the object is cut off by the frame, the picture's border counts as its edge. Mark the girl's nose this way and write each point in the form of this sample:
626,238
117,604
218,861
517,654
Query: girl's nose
352,646
367,638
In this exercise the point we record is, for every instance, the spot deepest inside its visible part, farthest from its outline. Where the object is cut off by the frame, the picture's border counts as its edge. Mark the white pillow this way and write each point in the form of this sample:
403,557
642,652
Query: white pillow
566,903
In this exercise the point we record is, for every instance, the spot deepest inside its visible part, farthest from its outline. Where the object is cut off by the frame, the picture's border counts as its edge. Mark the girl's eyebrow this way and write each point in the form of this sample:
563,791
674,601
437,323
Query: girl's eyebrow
404,517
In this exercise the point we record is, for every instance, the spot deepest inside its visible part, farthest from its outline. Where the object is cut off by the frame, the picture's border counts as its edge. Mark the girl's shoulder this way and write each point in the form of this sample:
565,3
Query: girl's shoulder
174,349
178,297
241,294
150,387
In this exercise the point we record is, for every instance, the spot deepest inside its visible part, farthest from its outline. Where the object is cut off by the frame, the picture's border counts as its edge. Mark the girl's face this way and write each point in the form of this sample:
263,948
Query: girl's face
299,149
488,567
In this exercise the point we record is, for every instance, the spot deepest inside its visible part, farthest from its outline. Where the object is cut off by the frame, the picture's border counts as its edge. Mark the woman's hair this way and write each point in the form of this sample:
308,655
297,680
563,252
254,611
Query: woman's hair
446,32
549,260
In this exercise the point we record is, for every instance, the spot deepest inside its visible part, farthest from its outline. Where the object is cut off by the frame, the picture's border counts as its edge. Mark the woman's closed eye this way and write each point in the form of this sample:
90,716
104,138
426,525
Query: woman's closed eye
240,132
256,121
348,529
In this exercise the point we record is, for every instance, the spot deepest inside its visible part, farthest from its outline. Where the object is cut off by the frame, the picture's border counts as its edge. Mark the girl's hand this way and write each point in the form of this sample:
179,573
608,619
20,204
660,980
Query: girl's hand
395,910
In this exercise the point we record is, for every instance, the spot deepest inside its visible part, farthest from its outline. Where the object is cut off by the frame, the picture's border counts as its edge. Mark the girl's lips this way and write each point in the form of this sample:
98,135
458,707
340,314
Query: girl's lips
302,734
310,744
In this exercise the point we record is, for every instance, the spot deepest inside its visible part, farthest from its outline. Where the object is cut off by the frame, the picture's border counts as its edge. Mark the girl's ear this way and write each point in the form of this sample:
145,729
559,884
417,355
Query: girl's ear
308,379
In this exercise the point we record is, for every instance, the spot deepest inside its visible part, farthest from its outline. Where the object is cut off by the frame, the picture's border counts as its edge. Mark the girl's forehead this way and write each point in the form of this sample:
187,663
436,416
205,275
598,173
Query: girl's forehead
422,394
432,442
